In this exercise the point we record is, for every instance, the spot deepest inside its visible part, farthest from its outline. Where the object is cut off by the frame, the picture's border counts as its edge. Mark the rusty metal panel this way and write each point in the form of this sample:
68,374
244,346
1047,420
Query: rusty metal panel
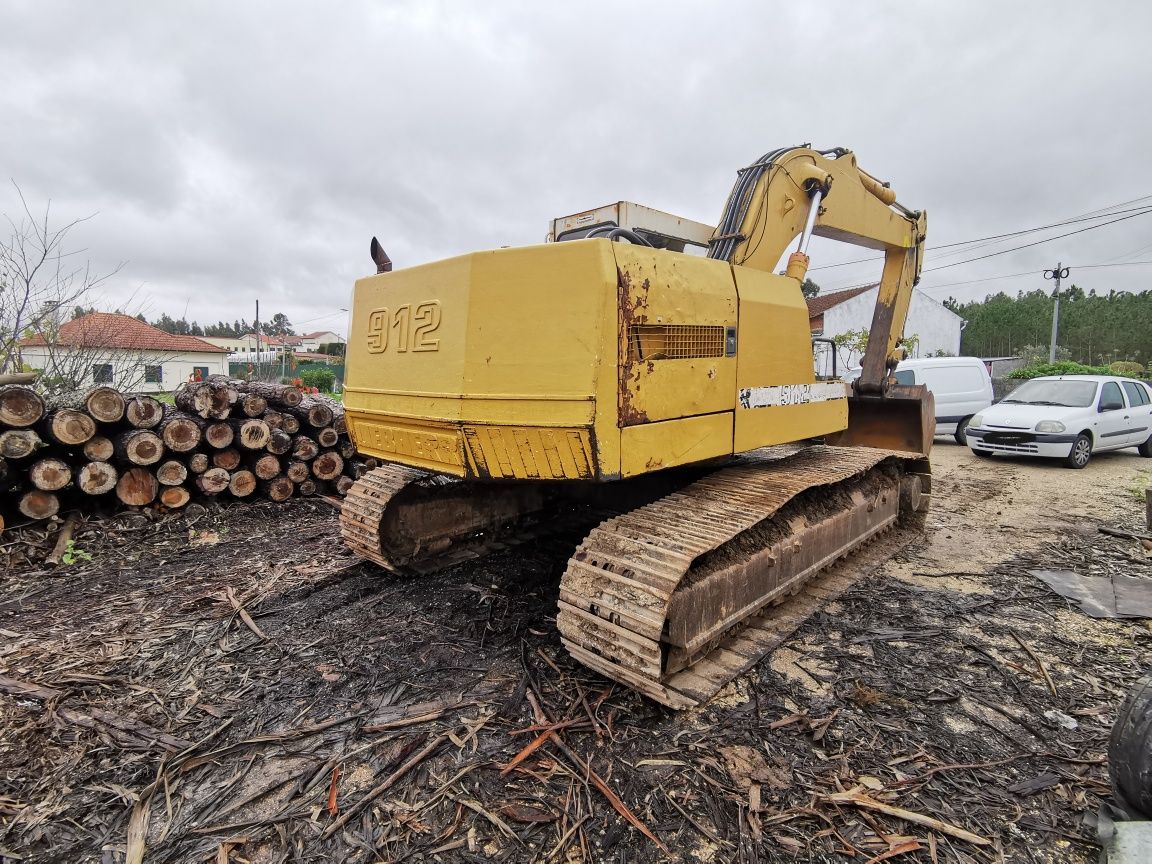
675,314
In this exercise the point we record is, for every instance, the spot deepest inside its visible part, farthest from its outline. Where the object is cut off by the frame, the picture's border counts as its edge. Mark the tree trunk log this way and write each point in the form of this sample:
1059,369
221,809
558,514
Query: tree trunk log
174,497
347,448
171,473
290,424
105,404
138,446
20,406
198,463
137,487
327,466
265,467
313,412
242,483
180,432
279,442
275,394
98,449
69,427
18,443
308,487
297,472
228,458
219,435
143,412
277,488
253,405
28,378
251,434
50,474
37,504
3,474
274,419
96,478
304,448
343,484
213,481
208,399
327,437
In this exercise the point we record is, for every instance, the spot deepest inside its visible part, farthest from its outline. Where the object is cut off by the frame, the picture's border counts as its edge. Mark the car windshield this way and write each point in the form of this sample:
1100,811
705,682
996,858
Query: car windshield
1071,394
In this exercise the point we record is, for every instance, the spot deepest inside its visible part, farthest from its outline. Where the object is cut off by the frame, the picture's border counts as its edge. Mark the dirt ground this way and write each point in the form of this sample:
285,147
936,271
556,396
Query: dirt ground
241,689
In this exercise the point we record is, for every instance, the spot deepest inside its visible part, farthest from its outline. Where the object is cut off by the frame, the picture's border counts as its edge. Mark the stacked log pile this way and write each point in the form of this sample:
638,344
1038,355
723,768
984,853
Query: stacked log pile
223,437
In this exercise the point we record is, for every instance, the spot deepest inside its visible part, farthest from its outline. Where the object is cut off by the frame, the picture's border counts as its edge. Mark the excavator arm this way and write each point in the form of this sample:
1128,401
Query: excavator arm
801,192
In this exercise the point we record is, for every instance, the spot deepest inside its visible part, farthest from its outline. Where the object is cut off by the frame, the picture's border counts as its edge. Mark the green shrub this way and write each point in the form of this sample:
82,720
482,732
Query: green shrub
322,379
1126,367
1061,367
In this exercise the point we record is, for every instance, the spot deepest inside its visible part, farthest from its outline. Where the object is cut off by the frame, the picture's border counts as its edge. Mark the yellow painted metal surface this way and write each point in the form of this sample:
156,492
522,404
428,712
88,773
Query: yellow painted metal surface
652,446
520,338
774,319
525,453
674,312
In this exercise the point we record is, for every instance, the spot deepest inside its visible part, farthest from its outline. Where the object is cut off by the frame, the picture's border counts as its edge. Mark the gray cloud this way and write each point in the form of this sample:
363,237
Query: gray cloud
243,151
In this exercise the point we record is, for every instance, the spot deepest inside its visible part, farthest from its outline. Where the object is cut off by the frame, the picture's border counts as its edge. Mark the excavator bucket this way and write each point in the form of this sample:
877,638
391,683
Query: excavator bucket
902,419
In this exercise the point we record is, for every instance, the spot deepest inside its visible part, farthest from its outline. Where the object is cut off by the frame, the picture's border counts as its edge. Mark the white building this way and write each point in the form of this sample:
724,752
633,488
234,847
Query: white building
108,348
936,327
308,343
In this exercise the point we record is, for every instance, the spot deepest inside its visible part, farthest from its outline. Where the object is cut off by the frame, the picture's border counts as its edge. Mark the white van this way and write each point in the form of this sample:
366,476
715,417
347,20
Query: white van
960,387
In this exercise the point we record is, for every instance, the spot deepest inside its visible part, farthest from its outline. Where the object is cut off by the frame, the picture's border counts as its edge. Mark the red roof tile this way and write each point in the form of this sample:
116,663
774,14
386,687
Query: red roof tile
112,330
821,303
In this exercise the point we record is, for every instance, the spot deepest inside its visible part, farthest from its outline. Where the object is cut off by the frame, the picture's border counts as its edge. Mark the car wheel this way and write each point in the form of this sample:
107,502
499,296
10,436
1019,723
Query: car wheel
961,429
1081,451
1145,449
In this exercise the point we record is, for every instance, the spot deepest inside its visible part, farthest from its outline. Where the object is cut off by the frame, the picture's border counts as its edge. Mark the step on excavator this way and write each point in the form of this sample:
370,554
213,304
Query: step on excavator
673,394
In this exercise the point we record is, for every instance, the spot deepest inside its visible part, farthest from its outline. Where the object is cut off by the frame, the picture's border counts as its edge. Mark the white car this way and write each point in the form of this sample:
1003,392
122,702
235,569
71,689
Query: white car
1068,417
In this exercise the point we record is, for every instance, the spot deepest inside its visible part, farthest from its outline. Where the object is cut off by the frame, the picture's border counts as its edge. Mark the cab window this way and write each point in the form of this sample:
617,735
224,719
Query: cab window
905,376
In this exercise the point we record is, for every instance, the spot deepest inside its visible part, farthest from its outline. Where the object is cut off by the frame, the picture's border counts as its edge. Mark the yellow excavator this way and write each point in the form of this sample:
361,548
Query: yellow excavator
615,371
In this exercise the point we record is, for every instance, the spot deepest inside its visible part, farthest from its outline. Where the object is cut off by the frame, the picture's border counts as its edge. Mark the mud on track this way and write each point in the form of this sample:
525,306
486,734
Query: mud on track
921,687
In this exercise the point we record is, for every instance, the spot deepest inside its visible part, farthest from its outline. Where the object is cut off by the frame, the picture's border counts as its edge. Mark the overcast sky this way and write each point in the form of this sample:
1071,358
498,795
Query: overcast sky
241,151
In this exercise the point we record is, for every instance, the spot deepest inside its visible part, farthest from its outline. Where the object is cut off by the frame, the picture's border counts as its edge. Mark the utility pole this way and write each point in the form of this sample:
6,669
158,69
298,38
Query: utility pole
1056,275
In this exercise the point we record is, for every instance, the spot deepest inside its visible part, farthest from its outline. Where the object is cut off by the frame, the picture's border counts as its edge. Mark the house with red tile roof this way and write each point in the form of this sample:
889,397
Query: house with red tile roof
936,327
110,348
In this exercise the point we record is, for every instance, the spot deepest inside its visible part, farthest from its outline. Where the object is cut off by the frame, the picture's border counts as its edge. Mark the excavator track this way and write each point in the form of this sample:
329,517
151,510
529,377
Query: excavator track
677,598
685,588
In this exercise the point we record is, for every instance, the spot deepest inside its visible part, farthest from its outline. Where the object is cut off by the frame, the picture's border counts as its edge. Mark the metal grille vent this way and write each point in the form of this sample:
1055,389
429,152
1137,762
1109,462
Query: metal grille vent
675,341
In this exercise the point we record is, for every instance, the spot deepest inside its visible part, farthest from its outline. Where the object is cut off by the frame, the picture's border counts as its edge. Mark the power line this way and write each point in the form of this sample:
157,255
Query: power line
1031,273
1038,242
1083,217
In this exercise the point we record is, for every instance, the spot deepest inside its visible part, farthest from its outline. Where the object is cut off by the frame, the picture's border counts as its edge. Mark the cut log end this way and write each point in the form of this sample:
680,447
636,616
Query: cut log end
242,483
143,412
219,435
50,474
20,407
279,442
38,504
327,466
70,427
253,405
266,467
252,434
139,446
278,488
198,463
297,472
172,473
180,434
98,448
327,437
106,404
174,497
18,443
96,478
213,481
137,487
228,459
